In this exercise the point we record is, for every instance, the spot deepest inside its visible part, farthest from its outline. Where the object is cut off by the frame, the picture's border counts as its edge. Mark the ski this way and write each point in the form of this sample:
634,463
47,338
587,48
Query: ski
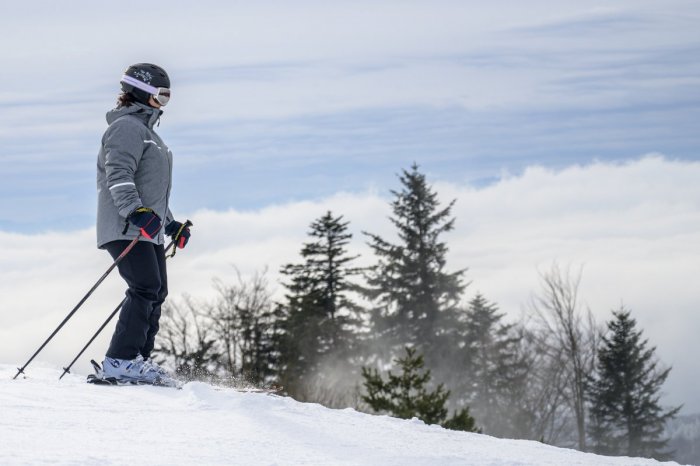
97,380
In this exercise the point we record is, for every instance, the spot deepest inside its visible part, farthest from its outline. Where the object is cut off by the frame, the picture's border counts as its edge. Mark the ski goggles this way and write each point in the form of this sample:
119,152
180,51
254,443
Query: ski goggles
160,94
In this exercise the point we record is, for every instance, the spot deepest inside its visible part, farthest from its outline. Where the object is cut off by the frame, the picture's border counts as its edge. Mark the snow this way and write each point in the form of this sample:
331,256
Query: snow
47,421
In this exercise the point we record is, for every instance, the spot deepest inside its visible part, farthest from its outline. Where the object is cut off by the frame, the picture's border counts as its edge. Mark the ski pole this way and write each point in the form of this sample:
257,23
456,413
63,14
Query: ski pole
82,301
66,370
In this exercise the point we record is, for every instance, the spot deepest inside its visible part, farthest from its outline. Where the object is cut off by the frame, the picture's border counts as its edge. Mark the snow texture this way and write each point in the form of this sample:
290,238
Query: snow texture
44,421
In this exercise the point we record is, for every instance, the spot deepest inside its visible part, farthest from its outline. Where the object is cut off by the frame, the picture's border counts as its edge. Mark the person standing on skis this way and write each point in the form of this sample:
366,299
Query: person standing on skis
134,178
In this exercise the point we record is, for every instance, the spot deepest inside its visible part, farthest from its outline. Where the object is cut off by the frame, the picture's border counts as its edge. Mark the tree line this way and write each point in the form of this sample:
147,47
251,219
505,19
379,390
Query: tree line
397,337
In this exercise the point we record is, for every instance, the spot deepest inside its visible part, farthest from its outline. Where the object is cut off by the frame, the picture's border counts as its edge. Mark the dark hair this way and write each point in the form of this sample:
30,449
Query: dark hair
125,99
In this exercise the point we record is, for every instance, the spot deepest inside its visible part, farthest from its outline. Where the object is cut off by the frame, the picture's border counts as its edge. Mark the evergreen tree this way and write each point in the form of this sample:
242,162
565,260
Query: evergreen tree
416,297
626,418
406,396
319,318
495,370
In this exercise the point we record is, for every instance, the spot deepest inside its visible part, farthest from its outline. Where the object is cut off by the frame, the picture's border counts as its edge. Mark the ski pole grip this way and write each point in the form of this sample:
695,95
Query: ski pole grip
188,223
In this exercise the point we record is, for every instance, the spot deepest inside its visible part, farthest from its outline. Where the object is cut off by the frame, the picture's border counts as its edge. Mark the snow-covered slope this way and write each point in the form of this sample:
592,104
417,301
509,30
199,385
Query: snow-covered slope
46,421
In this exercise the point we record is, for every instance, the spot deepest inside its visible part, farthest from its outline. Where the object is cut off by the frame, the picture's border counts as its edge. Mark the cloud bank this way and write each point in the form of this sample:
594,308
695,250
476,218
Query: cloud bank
634,226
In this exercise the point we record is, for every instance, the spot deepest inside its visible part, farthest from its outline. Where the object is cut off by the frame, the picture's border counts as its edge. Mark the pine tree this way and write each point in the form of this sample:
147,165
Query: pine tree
405,396
416,297
626,417
320,318
495,370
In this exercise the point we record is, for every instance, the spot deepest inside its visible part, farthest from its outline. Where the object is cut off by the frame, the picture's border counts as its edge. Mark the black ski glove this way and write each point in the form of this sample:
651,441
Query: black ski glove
179,232
147,221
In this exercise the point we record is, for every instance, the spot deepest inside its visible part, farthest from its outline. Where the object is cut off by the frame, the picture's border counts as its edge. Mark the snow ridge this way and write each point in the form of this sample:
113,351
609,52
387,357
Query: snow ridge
71,422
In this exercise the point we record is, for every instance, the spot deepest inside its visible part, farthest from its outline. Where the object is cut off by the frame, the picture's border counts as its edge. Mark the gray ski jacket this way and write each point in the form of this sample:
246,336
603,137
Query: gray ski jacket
134,169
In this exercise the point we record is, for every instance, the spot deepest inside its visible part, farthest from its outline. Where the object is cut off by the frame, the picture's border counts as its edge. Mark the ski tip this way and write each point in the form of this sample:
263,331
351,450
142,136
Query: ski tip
95,380
97,367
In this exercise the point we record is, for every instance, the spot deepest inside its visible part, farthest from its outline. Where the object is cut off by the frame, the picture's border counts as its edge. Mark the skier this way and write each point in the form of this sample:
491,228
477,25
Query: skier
134,178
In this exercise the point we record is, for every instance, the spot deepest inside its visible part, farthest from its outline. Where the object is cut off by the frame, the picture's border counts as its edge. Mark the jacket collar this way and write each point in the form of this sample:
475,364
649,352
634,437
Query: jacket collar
147,114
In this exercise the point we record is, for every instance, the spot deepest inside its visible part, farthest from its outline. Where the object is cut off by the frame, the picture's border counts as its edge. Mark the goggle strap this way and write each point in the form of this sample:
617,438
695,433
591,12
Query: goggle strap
139,84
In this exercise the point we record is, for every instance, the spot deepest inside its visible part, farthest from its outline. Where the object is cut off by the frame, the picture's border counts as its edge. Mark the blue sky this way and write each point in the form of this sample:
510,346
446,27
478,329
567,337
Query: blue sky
276,102
537,116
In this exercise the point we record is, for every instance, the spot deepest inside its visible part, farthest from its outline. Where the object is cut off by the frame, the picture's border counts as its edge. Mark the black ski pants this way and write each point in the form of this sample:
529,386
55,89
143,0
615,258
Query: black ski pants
143,268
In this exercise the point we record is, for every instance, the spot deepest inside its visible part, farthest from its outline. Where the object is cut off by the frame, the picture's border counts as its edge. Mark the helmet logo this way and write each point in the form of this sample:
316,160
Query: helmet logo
144,76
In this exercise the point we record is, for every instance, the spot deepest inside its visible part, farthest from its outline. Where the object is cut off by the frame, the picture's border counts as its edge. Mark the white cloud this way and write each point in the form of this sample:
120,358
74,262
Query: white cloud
276,59
635,227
